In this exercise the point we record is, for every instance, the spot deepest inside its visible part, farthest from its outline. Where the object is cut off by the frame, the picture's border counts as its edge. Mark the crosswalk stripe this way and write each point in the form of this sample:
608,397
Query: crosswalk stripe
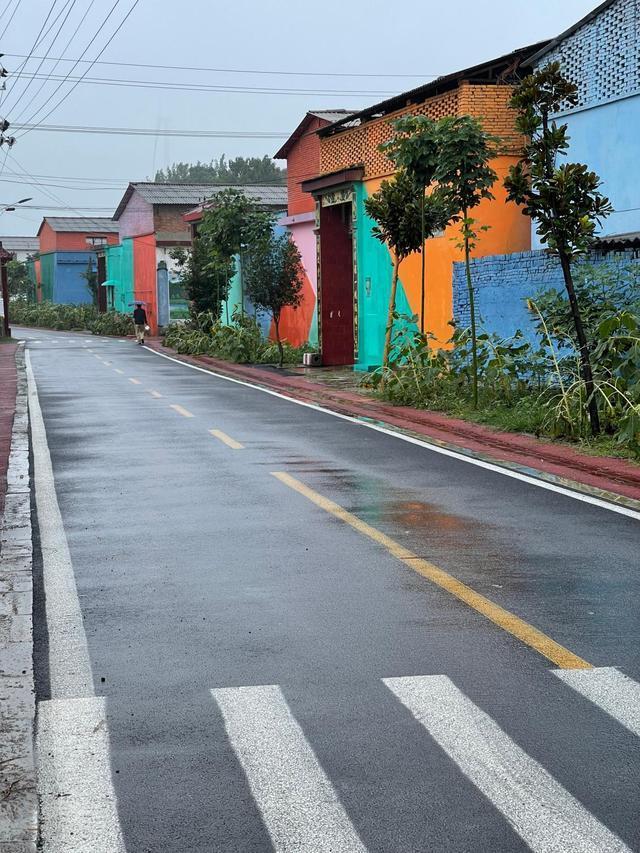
299,806
545,815
613,691
77,801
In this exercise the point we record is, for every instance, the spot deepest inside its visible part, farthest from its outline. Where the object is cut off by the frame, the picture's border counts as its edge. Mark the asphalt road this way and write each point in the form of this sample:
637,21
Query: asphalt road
256,639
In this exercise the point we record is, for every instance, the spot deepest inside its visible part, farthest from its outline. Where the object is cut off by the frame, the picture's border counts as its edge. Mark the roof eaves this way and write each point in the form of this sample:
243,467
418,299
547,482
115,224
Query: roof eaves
553,43
427,90
124,201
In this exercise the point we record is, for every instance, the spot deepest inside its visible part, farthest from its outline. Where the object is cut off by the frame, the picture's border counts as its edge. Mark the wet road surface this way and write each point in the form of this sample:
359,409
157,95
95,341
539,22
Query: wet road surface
265,628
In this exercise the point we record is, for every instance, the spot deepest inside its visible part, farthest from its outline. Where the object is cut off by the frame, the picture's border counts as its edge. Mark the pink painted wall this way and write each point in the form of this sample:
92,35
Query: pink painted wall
301,326
137,218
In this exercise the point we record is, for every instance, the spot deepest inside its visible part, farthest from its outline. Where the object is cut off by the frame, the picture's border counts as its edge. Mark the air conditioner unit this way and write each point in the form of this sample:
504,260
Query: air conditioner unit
312,359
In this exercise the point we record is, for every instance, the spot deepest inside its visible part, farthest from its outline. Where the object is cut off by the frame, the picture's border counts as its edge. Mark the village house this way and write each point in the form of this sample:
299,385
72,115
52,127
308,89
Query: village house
601,55
354,269
22,248
302,153
67,247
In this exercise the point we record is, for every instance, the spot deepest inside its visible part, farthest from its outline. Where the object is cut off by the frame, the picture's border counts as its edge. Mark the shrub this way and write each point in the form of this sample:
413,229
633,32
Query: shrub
70,318
241,343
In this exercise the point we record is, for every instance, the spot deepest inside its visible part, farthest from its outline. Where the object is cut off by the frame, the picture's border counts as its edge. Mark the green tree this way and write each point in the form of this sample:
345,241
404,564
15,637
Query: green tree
465,177
415,149
399,207
274,277
564,199
240,170
205,276
20,285
230,224
90,275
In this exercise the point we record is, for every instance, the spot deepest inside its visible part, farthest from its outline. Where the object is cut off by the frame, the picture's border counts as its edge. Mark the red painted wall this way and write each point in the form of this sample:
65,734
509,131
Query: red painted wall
70,241
303,163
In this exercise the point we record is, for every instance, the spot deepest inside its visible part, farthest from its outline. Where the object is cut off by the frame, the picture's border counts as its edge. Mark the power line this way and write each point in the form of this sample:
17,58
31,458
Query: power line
146,131
35,44
50,72
208,87
69,6
200,68
13,14
113,35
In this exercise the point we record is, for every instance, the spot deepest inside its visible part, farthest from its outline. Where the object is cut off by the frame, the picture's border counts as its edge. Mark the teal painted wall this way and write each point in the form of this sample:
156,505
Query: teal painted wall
374,275
120,273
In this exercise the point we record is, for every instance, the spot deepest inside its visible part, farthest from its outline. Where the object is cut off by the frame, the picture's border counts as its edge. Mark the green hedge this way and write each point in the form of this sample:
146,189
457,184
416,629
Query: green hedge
70,318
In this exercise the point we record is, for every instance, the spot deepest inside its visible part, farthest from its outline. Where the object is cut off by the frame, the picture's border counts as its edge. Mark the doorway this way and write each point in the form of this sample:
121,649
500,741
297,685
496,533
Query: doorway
336,285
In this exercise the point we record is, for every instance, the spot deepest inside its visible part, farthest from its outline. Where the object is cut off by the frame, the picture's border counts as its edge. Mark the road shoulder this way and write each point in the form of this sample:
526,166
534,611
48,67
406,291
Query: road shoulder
18,793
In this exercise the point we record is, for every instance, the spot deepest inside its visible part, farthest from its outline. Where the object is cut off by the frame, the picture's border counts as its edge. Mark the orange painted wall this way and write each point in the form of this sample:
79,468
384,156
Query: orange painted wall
510,231
70,241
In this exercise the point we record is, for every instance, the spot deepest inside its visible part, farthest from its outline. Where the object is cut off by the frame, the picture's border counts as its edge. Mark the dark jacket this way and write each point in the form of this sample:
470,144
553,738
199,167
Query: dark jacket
140,317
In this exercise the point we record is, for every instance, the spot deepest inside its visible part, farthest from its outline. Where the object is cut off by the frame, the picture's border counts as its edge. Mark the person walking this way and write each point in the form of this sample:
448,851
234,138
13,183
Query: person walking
140,322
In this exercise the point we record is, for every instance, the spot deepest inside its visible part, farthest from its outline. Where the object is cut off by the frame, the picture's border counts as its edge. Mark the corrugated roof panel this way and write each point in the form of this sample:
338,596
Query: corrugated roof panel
20,244
82,223
192,194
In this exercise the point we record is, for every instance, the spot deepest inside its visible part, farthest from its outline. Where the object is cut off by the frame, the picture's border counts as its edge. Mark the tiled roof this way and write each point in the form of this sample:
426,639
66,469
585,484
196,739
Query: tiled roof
81,223
20,244
194,194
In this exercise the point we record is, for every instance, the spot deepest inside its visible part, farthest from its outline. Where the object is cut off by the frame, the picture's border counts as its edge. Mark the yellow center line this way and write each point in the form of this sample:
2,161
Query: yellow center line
154,393
135,381
184,412
226,439
509,622
117,370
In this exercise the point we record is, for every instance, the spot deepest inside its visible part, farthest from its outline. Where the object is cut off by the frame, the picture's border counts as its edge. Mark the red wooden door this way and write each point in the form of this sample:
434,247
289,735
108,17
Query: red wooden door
336,282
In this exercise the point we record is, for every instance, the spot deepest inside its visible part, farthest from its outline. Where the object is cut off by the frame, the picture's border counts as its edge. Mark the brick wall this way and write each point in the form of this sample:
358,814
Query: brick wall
303,163
360,144
169,217
503,283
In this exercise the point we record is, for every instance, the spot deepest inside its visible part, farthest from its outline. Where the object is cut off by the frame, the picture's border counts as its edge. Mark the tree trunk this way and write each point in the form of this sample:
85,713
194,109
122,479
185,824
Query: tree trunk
276,324
392,308
472,313
422,279
585,358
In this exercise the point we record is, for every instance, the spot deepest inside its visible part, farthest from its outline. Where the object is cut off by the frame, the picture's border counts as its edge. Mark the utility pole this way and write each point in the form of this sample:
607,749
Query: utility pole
4,257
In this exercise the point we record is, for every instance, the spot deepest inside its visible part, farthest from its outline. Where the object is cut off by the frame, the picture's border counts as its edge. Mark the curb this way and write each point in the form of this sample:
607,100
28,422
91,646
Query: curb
18,790
606,478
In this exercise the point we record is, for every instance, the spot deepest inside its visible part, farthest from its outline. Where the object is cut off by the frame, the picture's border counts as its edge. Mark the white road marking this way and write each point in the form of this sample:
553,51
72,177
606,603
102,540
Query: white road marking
79,811
226,439
78,802
135,381
298,803
543,813
181,410
117,370
69,667
155,394
434,448
609,689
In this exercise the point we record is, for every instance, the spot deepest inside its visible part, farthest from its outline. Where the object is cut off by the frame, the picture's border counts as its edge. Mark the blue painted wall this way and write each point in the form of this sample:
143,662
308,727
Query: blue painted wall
602,57
68,286
503,283
607,139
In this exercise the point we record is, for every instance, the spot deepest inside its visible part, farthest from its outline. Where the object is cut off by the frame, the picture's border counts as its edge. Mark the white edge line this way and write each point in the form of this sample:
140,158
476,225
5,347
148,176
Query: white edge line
480,463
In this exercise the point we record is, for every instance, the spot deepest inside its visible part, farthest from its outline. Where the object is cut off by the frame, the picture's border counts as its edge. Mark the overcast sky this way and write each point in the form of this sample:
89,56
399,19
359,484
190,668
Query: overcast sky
417,38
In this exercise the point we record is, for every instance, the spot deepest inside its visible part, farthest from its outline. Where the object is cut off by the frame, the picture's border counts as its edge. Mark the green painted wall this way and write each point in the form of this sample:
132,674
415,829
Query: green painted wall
47,273
374,274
